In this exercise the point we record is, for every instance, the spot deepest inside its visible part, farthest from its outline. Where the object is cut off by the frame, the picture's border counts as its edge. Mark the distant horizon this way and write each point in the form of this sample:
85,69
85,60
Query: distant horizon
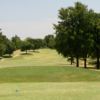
31,18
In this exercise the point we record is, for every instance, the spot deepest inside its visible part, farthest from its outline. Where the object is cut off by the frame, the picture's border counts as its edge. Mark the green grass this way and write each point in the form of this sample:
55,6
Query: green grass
45,66
50,91
44,57
46,76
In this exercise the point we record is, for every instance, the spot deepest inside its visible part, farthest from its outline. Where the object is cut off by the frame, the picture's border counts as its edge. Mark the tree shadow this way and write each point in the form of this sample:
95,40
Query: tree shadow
91,68
93,63
26,53
6,56
35,51
1,58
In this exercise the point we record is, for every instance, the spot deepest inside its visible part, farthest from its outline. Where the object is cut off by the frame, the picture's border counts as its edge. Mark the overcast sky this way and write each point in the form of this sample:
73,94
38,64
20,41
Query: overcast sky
34,18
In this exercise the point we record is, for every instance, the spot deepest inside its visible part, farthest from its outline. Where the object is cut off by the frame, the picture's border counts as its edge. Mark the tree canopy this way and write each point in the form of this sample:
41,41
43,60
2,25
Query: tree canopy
77,32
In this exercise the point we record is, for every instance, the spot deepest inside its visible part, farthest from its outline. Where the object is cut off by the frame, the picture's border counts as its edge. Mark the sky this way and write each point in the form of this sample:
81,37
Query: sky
34,18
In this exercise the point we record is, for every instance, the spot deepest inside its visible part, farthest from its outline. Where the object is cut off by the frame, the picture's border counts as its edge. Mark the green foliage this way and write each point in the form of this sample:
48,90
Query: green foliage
77,32
38,43
2,49
31,44
9,47
96,38
25,46
30,40
49,41
35,43
6,46
16,42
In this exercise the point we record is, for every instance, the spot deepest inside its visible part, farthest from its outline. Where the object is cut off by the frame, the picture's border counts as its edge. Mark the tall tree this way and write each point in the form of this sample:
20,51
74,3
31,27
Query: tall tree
31,41
72,32
2,43
36,43
49,41
96,38
9,47
25,46
16,42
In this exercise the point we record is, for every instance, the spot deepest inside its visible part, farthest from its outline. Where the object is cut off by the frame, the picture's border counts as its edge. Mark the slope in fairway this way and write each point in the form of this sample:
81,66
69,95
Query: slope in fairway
45,66
50,91
42,57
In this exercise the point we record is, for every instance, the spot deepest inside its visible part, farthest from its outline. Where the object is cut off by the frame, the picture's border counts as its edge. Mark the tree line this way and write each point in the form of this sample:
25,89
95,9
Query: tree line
78,33
8,46
77,36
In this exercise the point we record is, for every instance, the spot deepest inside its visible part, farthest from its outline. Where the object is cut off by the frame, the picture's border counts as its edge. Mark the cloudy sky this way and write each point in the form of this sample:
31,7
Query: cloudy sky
34,18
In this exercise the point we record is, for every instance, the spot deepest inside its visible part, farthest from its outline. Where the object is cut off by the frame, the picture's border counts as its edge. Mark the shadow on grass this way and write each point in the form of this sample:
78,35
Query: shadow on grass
90,68
93,63
26,53
35,51
7,56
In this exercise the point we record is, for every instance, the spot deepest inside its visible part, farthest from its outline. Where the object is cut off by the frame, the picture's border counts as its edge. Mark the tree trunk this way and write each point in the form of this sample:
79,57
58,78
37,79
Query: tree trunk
98,63
98,56
71,60
77,61
97,41
26,51
85,61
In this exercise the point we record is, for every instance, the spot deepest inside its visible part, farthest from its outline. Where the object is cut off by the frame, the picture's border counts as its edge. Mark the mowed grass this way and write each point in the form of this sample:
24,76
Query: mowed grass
42,57
48,74
50,91
43,66
45,75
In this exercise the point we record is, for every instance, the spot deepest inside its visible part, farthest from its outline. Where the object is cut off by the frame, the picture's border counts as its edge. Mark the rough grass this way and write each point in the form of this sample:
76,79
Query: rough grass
50,91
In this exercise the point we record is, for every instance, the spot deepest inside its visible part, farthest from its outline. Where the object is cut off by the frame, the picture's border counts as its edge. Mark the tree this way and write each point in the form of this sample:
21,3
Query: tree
39,43
9,47
95,29
6,46
84,35
49,41
36,43
72,34
16,42
2,49
25,46
2,43
31,41
62,40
